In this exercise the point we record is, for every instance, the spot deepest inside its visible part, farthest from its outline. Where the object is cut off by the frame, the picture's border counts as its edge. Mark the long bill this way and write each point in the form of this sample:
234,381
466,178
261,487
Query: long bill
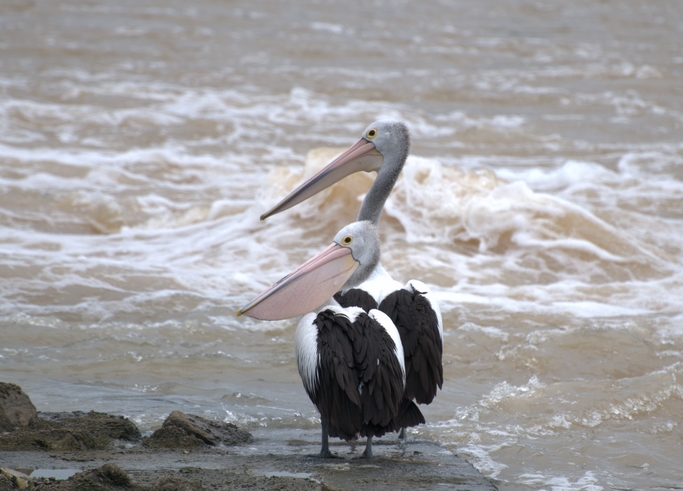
306,288
362,156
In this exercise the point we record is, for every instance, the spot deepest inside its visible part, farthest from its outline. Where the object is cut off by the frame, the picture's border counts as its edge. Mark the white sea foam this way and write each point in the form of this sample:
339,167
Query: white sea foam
433,203
587,482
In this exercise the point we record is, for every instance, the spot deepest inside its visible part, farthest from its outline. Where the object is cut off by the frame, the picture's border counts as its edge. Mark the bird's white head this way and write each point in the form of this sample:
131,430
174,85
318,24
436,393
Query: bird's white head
390,138
363,240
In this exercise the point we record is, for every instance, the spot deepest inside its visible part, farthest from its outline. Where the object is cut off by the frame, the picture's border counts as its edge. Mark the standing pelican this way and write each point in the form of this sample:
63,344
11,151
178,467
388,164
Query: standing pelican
384,148
350,360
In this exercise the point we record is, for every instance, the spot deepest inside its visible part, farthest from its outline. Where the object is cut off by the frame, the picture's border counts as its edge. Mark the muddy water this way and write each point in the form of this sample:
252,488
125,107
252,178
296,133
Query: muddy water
140,141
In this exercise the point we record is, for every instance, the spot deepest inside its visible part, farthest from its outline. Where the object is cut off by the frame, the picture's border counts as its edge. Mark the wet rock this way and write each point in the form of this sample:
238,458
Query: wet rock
109,477
16,409
102,426
71,431
182,430
11,480
172,483
195,479
6,483
111,473
22,428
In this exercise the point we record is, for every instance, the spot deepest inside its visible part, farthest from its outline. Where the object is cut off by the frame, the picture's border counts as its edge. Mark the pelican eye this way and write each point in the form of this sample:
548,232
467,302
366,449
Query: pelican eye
371,133
347,240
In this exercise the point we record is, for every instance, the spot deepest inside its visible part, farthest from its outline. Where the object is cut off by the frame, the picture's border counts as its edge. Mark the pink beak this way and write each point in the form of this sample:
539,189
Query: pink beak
306,288
360,157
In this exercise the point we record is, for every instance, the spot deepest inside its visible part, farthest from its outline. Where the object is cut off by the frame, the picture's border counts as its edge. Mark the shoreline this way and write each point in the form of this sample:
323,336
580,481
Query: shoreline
413,465
102,452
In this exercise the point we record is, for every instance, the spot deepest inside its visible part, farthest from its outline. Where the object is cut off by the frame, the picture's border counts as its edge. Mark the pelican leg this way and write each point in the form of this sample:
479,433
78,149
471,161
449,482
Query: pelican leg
367,453
325,447
402,434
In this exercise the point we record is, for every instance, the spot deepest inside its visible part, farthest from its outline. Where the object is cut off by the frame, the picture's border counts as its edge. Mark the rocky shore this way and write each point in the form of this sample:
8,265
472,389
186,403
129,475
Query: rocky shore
101,452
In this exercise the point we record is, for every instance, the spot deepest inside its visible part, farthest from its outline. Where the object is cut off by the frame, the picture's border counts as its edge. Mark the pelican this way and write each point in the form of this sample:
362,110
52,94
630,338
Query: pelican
350,360
384,148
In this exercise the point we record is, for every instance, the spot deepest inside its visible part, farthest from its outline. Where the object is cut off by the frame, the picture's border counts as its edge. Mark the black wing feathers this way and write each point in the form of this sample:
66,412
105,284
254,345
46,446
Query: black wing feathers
408,415
360,382
382,378
336,396
417,325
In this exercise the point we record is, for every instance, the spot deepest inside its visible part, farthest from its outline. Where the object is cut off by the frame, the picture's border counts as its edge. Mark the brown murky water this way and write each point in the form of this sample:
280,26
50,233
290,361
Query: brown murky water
543,203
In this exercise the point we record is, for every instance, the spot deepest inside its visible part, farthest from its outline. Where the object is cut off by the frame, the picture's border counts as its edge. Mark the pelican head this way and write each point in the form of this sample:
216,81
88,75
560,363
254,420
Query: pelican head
346,263
382,148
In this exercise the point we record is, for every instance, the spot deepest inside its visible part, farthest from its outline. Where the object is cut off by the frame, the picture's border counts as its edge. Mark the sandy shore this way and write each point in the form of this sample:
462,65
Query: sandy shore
221,458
